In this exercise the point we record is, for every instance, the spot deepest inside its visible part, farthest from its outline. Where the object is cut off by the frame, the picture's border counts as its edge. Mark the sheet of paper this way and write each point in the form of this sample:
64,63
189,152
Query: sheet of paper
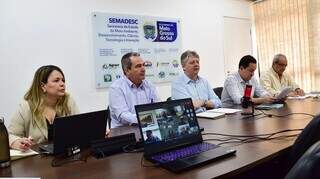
16,154
224,110
303,97
284,93
210,115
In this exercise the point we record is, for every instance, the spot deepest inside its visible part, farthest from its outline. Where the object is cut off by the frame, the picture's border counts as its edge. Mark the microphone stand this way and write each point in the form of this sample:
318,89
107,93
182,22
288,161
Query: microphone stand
250,114
250,103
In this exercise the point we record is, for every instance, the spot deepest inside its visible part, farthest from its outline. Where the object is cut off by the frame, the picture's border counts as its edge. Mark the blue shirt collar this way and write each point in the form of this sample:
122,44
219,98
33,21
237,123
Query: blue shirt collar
187,80
131,85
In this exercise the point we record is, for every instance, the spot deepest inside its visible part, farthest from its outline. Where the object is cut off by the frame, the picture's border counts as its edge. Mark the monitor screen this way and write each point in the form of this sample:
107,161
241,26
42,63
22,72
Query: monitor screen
77,131
168,124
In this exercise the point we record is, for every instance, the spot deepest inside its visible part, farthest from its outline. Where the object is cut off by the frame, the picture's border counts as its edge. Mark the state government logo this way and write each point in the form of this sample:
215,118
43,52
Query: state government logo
149,30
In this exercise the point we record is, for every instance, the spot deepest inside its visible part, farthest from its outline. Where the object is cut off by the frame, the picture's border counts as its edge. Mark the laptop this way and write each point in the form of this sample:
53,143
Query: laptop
73,133
172,137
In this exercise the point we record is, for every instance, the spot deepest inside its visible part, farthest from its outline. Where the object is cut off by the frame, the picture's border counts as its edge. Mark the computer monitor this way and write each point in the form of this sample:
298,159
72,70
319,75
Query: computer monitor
72,133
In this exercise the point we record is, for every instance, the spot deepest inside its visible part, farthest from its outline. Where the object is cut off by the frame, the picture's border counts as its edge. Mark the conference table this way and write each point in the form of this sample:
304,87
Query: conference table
128,165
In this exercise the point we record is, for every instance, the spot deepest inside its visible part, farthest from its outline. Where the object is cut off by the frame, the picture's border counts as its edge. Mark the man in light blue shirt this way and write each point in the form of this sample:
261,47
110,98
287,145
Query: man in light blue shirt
130,90
235,84
191,85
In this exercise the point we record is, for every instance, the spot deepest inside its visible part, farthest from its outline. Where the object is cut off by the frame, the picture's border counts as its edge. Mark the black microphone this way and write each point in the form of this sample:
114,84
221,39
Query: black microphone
246,99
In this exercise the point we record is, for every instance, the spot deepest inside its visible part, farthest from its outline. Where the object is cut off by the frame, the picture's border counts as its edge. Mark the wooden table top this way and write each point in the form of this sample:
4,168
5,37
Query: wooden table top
128,165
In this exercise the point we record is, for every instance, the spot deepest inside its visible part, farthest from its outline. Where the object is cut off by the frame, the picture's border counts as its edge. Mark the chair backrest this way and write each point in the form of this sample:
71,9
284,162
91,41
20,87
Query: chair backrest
309,136
169,98
108,117
218,91
308,166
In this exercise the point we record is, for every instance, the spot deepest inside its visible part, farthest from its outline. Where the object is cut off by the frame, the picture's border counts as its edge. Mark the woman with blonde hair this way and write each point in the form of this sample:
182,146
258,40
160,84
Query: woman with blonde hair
45,100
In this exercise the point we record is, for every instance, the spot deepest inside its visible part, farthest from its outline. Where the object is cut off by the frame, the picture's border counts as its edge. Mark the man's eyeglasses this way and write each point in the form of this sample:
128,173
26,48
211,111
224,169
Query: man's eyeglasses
282,65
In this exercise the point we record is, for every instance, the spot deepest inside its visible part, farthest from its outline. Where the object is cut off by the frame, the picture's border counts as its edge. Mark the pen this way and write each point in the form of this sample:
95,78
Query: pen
25,143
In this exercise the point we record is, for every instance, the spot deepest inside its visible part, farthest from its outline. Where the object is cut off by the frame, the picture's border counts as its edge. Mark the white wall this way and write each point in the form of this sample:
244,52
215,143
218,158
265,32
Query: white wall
39,32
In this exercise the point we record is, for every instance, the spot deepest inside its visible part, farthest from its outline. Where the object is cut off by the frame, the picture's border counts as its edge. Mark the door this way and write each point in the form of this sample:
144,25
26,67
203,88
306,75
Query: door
237,42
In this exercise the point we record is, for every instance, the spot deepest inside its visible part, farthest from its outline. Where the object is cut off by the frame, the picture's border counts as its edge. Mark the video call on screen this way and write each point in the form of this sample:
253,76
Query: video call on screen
168,123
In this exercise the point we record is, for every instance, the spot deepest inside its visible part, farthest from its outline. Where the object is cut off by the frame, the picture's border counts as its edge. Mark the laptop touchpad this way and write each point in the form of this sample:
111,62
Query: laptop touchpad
194,159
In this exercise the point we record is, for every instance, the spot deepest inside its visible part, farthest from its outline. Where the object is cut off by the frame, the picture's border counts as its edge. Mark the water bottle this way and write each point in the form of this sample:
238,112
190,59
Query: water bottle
4,145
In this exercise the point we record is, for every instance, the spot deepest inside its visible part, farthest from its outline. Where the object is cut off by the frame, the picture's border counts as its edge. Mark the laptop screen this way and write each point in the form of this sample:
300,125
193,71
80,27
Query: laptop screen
78,130
167,125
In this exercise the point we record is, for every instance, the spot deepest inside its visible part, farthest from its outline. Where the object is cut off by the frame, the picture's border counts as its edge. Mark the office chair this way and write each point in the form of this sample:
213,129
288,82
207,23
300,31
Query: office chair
218,91
169,98
309,136
287,165
308,166
108,117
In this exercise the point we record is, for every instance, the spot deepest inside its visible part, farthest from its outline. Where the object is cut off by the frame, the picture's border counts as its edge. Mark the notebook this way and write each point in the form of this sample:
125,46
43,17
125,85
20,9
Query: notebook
73,133
211,115
225,110
172,137
17,154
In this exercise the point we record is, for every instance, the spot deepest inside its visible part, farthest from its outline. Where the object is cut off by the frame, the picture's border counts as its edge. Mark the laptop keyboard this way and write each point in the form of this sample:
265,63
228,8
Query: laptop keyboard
183,152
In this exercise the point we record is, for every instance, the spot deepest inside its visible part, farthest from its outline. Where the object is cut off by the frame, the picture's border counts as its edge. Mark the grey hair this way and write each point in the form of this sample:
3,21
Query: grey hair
185,55
126,61
277,57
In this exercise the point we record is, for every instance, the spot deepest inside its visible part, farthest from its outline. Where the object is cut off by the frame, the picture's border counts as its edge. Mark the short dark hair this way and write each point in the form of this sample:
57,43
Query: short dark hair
126,61
185,55
246,60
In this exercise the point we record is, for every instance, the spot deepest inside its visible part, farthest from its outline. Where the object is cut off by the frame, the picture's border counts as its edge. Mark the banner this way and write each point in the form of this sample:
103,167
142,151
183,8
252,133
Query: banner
157,39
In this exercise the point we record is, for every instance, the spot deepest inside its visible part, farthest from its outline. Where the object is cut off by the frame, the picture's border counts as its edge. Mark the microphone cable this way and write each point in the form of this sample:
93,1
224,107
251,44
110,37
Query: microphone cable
144,165
236,138
132,148
254,135
285,115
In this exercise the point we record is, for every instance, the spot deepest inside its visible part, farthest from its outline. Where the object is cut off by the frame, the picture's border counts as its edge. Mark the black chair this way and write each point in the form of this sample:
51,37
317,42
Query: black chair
169,98
309,136
108,117
308,166
218,91
282,165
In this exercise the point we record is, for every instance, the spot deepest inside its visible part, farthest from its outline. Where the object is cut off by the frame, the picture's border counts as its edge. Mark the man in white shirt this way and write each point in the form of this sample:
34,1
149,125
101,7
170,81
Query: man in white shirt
274,80
235,84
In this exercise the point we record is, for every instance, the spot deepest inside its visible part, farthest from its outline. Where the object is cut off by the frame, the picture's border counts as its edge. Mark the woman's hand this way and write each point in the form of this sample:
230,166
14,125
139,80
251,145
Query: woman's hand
22,144
107,133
